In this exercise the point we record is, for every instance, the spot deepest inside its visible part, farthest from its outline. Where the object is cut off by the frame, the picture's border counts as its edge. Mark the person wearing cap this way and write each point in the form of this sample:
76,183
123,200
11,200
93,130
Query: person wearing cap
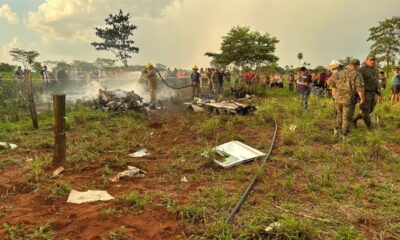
195,81
369,74
151,76
303,86
335,67
395,85
344,86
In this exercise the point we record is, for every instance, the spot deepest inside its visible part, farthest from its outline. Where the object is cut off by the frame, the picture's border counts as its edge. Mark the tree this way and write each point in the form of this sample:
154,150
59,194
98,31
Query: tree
36,66
27,58
84,66
300,57
104,63
243,47
117,37
5,67
386,39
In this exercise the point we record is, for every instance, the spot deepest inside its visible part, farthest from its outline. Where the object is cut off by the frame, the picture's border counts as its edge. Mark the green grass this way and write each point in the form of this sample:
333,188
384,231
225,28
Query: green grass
353,183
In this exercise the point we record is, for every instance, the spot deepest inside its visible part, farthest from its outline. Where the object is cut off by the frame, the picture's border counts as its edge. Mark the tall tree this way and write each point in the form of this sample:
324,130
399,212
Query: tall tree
26,58
385,39
300,57
116,37
104,63
243,47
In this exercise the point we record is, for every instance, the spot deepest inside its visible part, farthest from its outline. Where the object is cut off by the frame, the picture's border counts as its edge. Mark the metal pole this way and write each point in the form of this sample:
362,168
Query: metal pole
60,146
29,91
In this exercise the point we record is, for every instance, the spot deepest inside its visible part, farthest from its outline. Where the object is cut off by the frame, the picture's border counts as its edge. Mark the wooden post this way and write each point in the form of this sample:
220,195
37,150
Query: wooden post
60,146
29,90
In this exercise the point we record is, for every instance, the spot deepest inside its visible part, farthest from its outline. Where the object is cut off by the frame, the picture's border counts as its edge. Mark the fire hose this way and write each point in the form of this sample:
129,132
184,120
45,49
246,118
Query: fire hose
168,85
253,181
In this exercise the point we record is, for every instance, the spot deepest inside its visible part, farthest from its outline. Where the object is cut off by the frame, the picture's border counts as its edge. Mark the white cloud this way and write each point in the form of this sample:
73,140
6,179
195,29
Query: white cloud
74,20
5,49
7,14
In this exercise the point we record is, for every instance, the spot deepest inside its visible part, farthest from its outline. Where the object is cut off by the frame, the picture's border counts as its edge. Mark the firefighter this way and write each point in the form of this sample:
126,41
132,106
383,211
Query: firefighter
151,76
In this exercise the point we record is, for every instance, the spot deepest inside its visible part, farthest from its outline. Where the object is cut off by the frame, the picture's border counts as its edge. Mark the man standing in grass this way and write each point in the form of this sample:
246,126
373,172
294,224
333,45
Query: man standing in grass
344,86
369,74
303,87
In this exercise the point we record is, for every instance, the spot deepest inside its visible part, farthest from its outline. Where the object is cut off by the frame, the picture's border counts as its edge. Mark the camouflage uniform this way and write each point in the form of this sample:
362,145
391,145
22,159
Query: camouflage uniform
370,77
347,83
151,76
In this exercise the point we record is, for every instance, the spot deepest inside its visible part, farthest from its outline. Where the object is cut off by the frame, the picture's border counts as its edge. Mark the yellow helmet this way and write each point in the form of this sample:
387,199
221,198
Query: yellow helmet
196,67
149,64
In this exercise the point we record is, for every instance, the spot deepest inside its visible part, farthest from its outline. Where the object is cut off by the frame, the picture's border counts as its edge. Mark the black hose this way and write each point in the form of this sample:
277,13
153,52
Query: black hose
243,197
165,82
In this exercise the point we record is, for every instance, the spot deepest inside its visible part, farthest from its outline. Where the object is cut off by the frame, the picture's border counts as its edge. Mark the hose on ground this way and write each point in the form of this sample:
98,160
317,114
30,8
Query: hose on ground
253,181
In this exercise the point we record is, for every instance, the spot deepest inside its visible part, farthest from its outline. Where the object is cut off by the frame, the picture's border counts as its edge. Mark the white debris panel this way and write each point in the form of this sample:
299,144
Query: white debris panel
237,153
223,107
88,196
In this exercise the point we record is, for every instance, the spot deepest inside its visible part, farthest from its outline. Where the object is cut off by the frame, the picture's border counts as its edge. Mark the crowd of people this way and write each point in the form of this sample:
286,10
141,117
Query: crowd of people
349,86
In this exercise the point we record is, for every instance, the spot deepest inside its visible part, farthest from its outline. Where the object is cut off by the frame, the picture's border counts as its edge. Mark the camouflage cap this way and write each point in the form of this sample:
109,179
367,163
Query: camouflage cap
371,56
355,62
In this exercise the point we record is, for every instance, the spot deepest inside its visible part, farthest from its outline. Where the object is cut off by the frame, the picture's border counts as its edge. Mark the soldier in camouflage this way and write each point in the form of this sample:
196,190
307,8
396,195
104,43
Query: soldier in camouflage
344,86
369,73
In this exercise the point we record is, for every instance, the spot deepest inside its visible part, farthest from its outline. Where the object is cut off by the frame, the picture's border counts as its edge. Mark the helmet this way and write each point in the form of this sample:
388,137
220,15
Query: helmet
334,64
196,67
149,64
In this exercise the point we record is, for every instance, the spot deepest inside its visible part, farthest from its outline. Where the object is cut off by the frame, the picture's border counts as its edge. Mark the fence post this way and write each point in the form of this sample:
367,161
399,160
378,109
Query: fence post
60,146
29,90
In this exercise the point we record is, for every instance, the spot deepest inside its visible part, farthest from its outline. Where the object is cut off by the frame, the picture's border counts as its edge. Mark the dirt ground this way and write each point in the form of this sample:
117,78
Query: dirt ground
170,128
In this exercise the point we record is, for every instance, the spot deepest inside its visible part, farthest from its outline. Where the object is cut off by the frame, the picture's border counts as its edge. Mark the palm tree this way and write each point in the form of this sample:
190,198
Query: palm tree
300,57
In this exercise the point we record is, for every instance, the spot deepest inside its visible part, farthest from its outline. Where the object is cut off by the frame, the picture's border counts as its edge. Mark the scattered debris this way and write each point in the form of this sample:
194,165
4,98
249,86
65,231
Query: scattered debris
292,127
236,153
131,172
223,107
88,196
29,159
7,146
120,101
141,153
184,180
272,226
58,171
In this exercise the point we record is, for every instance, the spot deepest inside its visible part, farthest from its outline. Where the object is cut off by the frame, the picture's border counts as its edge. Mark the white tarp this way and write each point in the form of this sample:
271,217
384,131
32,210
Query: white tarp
88,196
7,145
236,153
141,153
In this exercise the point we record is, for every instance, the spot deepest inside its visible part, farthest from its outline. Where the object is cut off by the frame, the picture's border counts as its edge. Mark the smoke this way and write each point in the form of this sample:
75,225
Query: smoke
80,88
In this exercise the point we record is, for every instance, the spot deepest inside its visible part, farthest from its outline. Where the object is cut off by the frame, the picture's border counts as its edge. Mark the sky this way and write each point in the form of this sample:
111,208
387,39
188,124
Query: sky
177,33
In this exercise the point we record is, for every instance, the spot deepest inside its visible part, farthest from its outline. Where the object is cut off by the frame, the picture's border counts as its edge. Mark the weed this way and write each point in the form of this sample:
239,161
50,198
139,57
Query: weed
7,162
348,233
109,212
136,200
4,211
119,234
209,126
326,178
193,214
43,232
230,130
292,228
60,188
16,232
